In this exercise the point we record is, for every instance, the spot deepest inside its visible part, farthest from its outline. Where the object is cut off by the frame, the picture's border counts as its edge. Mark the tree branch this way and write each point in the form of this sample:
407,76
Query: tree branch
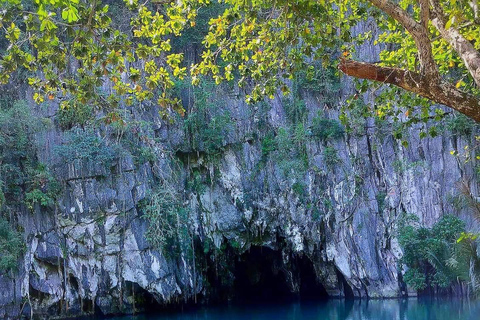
466,51
417,31
424,13
474,5
440,92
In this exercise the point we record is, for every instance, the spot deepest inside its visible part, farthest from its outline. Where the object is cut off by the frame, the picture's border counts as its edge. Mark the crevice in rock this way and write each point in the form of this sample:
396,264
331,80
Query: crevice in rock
87,306
43,304
73,282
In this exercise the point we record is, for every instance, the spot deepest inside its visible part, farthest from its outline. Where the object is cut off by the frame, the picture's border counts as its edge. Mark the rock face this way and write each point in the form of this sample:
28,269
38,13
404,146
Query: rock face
333,222
263,207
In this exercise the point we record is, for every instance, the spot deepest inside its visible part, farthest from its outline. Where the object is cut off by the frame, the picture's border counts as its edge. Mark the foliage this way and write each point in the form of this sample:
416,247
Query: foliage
19,167
415,278
266,49
269,42
11,247
291,154
322,81
37,196
353,117
168,225
466,259
381,203
197,182
299,189
330,157
326,129
42,187
206,123
193,34
86,145
18,126
459,124
78,115
295,110
427,252
270,50
268,144
145,154
129,135
48,37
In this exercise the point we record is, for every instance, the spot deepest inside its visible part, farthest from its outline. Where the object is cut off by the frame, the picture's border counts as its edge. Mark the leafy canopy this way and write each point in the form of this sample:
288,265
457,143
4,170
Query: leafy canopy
260,43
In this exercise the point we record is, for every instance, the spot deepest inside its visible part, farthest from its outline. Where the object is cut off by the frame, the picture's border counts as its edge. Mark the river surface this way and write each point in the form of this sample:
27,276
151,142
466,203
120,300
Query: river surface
406,309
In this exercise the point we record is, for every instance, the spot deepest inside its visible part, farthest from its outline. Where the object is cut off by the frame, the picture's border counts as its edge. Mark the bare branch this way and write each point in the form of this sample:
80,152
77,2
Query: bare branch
474,5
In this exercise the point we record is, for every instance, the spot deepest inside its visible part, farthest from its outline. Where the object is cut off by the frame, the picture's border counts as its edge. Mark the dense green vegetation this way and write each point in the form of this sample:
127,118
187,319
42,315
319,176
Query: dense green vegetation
439,256
11,247
87,145
23,179
168,223
207,122
22,176
325,129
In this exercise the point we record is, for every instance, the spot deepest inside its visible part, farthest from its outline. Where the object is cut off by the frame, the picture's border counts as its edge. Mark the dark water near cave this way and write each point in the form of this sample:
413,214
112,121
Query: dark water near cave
406,309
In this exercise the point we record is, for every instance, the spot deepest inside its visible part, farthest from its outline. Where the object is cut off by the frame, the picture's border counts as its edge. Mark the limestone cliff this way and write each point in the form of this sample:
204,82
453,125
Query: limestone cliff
267,196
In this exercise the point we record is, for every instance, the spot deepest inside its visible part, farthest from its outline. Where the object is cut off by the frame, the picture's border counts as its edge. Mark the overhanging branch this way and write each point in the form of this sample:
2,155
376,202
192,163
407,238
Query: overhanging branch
440,92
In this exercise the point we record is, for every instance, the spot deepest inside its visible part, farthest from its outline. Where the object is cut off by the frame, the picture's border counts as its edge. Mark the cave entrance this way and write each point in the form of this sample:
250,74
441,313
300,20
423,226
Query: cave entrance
261,276
139,300
310,287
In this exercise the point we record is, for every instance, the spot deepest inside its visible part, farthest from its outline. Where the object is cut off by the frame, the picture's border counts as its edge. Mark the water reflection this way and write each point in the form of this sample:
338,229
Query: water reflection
405,309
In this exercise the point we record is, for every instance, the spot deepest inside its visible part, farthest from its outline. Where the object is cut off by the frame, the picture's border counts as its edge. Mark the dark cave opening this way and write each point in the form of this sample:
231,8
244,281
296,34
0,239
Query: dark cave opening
310,287
140,300
261,276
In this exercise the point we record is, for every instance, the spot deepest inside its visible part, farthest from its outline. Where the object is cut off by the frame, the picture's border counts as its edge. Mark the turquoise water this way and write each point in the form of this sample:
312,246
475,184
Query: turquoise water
407,309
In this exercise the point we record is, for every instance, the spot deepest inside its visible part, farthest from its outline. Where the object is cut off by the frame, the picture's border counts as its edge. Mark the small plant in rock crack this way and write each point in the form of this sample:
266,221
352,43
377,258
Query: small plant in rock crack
168,228
330,157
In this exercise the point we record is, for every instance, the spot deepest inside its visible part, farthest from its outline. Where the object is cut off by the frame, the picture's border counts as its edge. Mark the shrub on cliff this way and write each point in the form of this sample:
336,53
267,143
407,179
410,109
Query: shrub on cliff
428,253
11,247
